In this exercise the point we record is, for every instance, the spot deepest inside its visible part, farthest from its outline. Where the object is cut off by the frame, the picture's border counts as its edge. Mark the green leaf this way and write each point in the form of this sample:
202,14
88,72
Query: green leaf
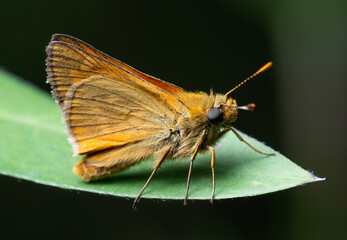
34,146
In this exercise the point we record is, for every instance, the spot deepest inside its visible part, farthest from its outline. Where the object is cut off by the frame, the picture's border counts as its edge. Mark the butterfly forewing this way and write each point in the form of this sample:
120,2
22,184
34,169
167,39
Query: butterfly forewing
70,60
170,88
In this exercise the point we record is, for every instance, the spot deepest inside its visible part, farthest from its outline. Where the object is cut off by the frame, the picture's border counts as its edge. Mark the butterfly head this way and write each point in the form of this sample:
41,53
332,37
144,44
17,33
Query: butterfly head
223,114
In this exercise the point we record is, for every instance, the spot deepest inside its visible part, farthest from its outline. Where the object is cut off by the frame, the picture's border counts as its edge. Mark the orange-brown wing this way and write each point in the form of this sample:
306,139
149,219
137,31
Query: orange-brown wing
109,161
107,111
70,61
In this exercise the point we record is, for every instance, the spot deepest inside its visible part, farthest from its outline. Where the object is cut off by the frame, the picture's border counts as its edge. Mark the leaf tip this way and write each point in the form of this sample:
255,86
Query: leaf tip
313,178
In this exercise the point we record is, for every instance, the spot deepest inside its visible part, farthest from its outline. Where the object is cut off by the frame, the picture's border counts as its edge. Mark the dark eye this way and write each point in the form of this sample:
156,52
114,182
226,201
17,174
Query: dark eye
215,115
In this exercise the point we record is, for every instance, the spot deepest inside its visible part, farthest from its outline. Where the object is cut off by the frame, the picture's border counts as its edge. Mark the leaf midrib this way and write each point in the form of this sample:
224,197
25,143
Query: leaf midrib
31,122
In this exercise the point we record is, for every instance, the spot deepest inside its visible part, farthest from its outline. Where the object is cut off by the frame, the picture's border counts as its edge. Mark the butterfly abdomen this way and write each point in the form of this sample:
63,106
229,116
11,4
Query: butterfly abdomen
89,172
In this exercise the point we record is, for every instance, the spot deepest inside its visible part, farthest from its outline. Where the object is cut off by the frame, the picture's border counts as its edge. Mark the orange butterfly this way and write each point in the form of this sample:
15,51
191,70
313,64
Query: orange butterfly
117,116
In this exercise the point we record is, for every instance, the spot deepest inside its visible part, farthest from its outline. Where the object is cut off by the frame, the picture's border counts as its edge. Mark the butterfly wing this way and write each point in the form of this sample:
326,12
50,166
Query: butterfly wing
107,111
70,61
105,102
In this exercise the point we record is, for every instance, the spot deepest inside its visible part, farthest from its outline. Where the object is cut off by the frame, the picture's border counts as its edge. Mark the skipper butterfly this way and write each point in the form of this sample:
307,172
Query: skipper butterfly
117,116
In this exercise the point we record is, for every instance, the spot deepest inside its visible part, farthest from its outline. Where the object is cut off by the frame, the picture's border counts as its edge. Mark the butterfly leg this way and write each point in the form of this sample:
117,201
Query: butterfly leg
197,146
161,160
212,167
242,140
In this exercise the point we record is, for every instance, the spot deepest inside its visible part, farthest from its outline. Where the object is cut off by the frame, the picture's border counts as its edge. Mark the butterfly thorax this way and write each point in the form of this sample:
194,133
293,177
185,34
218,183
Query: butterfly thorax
191,124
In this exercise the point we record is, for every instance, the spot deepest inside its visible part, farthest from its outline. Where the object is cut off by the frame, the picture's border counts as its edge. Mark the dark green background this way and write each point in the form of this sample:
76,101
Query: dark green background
301,109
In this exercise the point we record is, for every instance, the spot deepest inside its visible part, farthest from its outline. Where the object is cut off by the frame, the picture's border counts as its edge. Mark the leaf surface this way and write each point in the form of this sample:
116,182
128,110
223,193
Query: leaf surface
34,146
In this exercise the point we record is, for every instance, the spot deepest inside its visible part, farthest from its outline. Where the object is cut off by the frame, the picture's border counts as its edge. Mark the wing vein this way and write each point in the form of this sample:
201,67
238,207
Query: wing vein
54,57
121,130
130,100
73,48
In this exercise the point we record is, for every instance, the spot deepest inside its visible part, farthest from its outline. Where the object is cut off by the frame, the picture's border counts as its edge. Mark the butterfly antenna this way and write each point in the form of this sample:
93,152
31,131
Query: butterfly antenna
262,69
248,107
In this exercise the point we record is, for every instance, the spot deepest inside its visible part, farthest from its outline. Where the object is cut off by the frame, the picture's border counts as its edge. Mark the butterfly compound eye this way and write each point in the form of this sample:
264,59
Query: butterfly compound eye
215,115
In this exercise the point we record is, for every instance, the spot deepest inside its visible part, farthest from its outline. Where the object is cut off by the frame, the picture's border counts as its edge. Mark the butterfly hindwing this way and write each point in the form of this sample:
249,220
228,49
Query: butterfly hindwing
107,111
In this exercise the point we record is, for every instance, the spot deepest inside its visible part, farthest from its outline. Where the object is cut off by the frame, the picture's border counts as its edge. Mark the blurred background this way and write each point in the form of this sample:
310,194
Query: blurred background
198,45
